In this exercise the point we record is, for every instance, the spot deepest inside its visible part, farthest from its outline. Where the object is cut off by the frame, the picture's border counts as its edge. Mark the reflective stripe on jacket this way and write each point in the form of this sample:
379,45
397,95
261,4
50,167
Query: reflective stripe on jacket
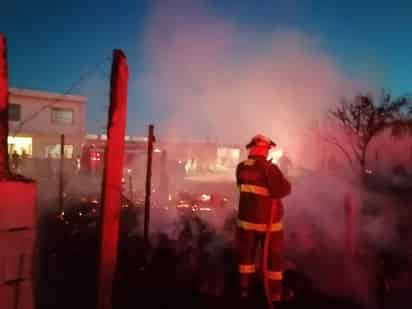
260,183
262,227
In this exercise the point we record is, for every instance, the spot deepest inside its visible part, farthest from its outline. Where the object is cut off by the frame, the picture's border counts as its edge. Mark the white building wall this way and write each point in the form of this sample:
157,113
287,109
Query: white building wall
36,119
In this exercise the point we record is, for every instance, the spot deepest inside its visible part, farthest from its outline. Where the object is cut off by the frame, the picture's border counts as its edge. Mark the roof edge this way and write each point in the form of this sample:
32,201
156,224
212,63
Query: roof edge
47,95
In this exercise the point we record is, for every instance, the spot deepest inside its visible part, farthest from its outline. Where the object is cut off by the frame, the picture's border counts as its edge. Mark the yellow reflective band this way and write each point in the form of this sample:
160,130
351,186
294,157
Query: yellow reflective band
275,227
258,190
247,268
249,162
275,275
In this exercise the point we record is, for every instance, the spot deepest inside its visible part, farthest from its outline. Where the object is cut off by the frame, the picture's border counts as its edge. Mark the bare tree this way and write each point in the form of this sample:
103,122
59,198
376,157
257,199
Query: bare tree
359,120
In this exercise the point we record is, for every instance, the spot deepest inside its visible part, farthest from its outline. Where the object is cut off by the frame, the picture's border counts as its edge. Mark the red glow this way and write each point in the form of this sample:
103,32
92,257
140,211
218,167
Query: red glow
112,179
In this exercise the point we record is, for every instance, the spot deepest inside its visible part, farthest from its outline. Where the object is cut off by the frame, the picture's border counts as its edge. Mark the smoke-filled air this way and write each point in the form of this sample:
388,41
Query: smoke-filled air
216,80
272,175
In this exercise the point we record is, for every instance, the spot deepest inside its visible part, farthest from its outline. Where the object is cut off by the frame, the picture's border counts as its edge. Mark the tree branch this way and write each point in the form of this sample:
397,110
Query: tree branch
335,142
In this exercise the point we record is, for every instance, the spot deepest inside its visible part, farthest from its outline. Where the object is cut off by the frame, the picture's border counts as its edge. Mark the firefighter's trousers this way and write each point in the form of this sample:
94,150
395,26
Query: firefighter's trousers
247,245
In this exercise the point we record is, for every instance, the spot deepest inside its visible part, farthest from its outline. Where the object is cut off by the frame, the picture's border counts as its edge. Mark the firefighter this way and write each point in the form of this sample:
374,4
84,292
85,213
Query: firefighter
261,185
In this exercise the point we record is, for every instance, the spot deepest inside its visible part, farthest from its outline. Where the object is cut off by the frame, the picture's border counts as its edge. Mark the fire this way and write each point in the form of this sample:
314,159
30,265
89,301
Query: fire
275,154
205,197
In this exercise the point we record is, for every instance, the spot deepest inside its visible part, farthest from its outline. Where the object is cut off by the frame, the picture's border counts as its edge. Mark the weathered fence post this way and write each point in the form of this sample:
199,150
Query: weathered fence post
4,103
61,175
17,217
131,188
114,154
164,178
148,188
350,226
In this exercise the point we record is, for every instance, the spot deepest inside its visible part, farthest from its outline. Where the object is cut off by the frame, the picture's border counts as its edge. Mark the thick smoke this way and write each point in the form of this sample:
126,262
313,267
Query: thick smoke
214,80
210,79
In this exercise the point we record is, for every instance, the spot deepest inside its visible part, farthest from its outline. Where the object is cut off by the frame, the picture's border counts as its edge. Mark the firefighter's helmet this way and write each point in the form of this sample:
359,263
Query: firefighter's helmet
260,140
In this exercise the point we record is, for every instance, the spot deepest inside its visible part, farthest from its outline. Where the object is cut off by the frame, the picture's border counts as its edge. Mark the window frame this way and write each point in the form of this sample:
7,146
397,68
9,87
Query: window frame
19,112
58,121
54,150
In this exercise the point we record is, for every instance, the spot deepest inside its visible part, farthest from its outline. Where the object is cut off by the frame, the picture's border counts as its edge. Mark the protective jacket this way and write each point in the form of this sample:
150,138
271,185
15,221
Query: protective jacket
261,185
259,182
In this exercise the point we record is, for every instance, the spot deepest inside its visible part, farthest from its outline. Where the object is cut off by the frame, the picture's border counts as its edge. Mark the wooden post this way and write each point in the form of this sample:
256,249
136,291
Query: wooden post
164,179
17,216
148,186
61,175
131,189
350,235
112,187
4,102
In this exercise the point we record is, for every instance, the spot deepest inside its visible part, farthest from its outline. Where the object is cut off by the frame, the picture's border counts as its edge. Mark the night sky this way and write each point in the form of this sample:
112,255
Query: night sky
54,43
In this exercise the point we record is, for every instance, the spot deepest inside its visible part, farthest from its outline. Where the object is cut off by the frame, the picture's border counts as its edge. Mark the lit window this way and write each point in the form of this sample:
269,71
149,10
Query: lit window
14,112
62,115
228,157
20,145
53,151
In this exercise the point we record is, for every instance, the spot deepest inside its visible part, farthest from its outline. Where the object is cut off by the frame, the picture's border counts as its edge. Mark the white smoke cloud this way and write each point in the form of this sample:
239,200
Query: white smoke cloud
214,81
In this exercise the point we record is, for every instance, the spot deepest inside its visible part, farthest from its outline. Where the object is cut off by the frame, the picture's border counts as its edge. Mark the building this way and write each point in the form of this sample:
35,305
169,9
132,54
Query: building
195,156
37,119
201,156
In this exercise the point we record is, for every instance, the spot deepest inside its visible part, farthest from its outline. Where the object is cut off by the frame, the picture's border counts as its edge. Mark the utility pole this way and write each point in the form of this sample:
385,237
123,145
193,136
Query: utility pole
61,175
112,187
4,113
150,142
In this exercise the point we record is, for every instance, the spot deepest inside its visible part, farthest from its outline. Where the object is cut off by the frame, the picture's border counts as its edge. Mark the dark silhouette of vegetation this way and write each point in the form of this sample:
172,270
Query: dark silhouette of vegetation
362,118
